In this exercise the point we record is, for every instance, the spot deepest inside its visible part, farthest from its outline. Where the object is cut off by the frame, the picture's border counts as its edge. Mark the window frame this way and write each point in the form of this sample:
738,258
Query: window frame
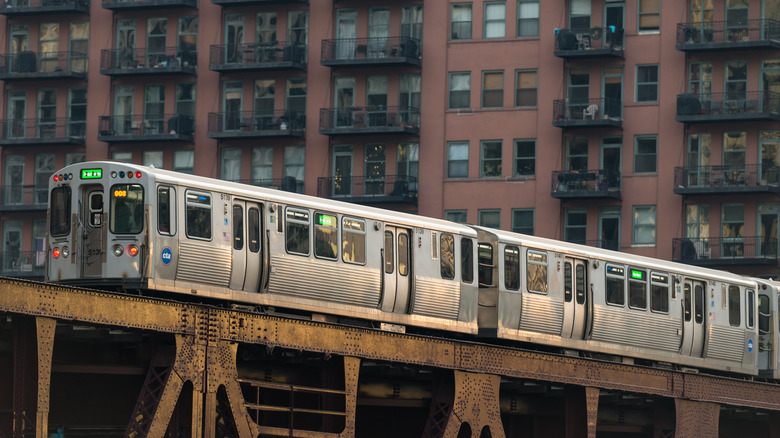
318,227
642,84
637,301
735,312
60,226
470,6
643,157
450,90
466,260
640,15
635,226
541,261
518,73
491,160
520,19
511,260
657,280
517,158
485,20
301,223
171,194
351,230
209,207
499,91
517,229
447,263
616,272
450,161
486,212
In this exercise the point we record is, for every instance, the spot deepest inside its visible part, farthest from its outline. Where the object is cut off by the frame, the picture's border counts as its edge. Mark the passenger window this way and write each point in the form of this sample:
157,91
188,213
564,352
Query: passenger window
389,253
580,283
512,267
698,304
297,232
659,292
198,216
536,268
60,211
466,260
567,282
127,209
485,264
763,314
637,289
403,254
750,308
734,310
165,207
253,227
616,285
238,228
353,241
447,252
96,209
326,236
687,302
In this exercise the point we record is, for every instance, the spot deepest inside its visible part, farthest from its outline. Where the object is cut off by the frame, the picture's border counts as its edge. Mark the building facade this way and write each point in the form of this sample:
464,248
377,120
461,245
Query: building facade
632,125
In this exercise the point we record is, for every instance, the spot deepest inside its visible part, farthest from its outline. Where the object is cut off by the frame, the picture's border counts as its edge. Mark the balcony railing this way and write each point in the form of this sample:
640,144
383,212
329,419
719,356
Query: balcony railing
18,197
44,65
280,55
710,180
38,7
731,106
612,245
371,51
54,130
251,124
589,184
596,42
125,5
132,128
369,120
720,35
288,183
588,113
256,2
369,190
24,264
738,250
125,62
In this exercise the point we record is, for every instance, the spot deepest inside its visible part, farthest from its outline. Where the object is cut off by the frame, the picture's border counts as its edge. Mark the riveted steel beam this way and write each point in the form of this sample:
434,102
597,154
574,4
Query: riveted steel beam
696,419
45,331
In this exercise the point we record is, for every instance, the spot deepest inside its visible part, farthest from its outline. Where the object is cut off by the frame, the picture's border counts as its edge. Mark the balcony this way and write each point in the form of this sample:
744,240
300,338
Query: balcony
720,35
258,2
250,124
43,131
369,121
367,52
596,42
390,189
721,180
588,113
134,5
18,8
257,57
45,65
24,198
728,107
23,264
726,251
134,128
135,62
287,184
589,184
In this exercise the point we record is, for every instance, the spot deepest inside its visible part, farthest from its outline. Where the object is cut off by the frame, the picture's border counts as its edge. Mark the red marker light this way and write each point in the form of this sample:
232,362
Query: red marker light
56,253
132,250
56,178
138,174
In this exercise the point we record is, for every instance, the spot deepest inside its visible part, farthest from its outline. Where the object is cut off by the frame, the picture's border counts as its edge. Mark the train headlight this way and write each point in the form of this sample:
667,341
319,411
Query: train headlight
56,253
118,250
132,249
65,252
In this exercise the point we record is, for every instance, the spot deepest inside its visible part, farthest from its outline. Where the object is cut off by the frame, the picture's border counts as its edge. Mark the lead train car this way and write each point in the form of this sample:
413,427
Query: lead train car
116,225
583,298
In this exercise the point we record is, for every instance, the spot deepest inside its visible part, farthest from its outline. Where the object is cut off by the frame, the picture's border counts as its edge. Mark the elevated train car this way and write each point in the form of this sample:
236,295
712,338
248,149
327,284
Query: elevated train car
769,328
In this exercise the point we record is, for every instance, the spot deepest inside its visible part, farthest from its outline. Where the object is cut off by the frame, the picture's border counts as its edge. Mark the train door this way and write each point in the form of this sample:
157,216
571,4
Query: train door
397,279
245,272
575,298
693,318
766,332
93,232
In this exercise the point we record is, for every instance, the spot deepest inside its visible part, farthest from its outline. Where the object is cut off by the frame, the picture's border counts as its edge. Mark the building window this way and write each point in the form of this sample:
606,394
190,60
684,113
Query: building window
265,28
44,168
153,158
492,89
460,90
645,154
490,159
697,222
649,15
294,164
184,161
47,113
75,157
523,221
525,158
154,110
79,45
231,164
122,156
579,14
459,216
700,79
458,159
734,150
156,40
490,218
262,165
575,225
525,88
736,81
576,154
408,166
733,230
495,20
188,40
460,23
644,225
647,83
374,157
298,27
77,112
185,99
265,96
296,95
527,18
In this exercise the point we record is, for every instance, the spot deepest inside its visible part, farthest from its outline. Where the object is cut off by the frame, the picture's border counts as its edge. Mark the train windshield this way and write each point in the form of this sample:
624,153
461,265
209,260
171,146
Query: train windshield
127,209
60,211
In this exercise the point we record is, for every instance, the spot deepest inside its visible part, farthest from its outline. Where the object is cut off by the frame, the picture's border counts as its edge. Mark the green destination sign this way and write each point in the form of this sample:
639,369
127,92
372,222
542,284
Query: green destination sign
91,173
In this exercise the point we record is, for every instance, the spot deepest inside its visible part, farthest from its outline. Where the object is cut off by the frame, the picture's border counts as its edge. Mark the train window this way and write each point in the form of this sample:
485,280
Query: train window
198,215
616,285
127,209
253,229
59,211
485,264
567,282
536,268
238,227
512,267
763,314
389,253
637,289
698,303
687,302
447,252
326,236
297,230
750,308
466,260
353,241
580,283
734,310
659,292
403,254
166,200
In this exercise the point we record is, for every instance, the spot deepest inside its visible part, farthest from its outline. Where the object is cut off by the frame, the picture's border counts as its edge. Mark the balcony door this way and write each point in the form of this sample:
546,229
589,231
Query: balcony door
14,180
345,101
12,245
770,85
609,228
611,148
232,102
346,32
125,43
123,109
17,113
768,220
342,170
19,42
769,150
234,38
378,32
699,152
614,18
612,92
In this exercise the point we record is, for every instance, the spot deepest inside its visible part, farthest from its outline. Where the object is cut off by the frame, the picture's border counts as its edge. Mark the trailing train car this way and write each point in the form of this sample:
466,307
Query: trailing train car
769,328
116,225
582,298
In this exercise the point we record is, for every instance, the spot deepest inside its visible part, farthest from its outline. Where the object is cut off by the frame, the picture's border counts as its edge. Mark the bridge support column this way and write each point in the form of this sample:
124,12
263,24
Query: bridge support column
696,419
351,372
582,409
45,330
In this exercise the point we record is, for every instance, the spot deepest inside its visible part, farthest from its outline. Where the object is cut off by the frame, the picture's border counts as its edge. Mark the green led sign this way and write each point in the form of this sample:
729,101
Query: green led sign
637,275
91,173
328,221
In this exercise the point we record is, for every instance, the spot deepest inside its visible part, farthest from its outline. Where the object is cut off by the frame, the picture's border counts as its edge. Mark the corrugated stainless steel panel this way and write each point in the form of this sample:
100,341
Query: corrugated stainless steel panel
541,314
437,298
727,343
204,263
324,280
622,326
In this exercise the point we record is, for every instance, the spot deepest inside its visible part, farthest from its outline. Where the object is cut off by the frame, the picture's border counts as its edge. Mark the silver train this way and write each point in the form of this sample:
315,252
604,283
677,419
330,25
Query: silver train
120,226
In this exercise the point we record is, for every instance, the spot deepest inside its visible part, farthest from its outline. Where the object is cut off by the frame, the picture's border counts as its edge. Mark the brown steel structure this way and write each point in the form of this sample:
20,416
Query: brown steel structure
207,339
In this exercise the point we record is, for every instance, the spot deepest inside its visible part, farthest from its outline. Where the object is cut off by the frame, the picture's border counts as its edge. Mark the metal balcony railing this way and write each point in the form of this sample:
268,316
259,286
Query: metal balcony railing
43,64
145,61
18,197
257,56
279,123
381,50
588,112
43,130
160,127
597,183
718,250
715,107
371,119
596,41
757,178
388,188
288,183
722,34
23,263
31,7
141,4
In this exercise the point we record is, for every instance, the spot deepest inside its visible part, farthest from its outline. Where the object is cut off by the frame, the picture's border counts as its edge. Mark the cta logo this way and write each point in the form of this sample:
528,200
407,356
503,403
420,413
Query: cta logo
166,255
